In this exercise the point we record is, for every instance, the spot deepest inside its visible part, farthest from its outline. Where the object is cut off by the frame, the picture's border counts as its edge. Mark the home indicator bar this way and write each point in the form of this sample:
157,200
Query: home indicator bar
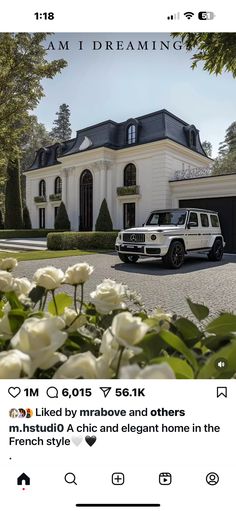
118,505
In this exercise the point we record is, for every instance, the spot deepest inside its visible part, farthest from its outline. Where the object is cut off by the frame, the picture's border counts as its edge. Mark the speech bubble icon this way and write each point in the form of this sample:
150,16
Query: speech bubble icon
52,392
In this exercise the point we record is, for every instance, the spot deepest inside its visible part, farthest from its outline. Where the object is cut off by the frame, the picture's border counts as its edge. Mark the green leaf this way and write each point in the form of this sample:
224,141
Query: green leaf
16,319
210,369
151,345
62,301
36,294
214,342
180,367
176,343
223,325
188,330
199,311
13,301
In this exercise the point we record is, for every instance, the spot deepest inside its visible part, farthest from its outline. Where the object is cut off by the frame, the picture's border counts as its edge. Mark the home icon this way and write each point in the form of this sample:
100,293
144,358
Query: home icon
23,479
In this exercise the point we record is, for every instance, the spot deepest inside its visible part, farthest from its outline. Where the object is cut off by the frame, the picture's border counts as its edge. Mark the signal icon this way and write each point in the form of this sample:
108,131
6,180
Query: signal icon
175,16
189,15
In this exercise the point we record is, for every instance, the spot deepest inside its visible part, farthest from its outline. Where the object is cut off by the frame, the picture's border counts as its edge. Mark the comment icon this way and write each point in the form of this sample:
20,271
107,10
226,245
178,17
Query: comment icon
52,392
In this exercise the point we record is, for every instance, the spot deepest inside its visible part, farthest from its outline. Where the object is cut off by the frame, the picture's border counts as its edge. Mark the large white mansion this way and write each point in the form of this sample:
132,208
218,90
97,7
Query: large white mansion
132,164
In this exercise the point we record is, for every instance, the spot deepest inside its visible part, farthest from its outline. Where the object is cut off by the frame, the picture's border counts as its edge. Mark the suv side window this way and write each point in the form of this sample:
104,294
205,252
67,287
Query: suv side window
193,218
215,221
204,220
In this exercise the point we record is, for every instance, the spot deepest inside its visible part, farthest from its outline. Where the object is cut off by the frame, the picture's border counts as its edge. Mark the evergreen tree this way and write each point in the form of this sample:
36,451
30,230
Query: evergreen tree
207,146
13,202
225,163
104,222
62,130
26,218
62,220
1,220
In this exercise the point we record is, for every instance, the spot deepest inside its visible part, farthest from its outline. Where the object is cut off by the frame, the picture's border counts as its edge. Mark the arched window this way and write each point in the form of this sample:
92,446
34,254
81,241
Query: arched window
57,185
130,175
192,138
131,134
42,188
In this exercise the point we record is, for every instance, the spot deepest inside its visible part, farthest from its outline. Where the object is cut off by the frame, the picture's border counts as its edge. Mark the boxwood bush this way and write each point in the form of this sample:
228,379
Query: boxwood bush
81,240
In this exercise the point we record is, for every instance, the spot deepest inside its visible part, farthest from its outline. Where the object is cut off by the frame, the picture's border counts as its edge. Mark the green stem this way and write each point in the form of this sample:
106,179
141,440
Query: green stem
45,299
75,297
81,298
119,361
54,301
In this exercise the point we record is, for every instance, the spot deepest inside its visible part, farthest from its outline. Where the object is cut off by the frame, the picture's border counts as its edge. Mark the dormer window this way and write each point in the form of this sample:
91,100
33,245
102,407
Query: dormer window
131,134
192,138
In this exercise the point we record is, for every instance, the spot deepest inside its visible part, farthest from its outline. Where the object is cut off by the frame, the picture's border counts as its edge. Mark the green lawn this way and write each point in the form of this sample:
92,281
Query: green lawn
43,254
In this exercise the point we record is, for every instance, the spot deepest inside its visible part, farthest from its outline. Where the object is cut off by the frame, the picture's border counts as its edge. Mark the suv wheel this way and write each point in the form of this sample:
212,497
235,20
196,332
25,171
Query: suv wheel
175,255
217,251
128,258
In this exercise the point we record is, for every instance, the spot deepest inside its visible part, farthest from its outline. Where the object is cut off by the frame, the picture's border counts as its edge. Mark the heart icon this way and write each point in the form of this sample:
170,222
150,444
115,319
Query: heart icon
14,391
77,440
90,440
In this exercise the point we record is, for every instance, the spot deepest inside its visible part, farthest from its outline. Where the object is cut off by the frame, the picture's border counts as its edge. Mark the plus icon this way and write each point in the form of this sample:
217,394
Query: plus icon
118,478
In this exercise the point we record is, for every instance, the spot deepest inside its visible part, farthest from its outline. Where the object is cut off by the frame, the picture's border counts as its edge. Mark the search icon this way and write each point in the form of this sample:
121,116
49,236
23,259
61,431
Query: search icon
70,478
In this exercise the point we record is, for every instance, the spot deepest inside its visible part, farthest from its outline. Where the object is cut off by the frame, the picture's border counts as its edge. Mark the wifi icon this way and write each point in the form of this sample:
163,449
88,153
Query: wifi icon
189,15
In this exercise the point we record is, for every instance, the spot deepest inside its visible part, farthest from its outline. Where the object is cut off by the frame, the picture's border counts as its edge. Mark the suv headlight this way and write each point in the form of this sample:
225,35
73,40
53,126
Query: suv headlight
153,237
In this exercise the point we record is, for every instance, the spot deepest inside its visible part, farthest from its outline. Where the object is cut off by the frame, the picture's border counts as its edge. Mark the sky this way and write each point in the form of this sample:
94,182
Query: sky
101,84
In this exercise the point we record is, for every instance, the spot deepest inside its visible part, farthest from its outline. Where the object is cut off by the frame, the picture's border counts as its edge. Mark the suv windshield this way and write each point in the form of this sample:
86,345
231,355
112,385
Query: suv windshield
174,217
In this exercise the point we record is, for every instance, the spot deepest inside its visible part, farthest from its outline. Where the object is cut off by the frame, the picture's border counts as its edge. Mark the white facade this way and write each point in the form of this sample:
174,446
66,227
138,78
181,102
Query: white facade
155,162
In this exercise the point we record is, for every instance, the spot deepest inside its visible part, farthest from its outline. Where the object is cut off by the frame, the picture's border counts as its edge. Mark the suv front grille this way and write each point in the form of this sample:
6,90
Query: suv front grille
134,237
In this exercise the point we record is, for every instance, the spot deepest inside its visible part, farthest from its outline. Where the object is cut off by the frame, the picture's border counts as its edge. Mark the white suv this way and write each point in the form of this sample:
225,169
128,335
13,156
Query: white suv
172,233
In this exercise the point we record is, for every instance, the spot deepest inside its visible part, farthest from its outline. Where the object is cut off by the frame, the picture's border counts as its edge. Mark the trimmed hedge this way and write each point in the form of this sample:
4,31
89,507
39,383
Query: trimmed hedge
25,233
81,240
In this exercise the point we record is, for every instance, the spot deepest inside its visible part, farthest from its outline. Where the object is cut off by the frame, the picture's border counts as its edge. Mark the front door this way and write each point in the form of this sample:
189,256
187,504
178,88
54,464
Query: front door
86,201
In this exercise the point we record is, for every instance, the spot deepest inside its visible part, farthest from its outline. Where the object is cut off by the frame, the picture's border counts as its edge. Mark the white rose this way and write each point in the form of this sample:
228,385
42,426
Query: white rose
69,316
13,363
40,338
156,371
108,296
49,277
8,264
83,365
5,329
22,286
78,274
109,349
6,282
128,330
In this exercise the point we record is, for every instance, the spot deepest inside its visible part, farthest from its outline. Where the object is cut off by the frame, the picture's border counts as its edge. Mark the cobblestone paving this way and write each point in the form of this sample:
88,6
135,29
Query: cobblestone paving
211,283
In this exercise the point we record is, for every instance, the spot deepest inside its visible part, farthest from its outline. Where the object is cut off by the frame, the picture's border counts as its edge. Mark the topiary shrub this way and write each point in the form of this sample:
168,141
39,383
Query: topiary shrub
26,218
1,220
104,222
62,220
81,240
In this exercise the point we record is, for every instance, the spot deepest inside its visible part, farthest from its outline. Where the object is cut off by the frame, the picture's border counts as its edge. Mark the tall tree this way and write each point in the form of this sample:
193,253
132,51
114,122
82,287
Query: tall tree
215,50
23,65
62,127
13,208
226,161
207,146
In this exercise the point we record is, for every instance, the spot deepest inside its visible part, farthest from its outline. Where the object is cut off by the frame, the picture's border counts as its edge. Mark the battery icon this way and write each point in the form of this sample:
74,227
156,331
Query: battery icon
204,15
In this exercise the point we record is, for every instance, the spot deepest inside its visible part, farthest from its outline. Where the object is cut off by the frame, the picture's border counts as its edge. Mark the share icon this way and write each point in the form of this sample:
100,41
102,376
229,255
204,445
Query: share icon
105,390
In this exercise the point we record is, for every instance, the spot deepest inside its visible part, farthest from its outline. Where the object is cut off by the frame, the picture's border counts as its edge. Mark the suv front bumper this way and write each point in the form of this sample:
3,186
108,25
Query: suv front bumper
142,250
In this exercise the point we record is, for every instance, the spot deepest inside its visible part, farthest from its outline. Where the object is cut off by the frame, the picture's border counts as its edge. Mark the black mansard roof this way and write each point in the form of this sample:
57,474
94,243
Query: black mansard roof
148,128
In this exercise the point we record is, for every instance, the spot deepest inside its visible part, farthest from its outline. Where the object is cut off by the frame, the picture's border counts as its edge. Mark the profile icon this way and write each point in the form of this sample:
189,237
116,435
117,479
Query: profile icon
13,412
29,413
21,413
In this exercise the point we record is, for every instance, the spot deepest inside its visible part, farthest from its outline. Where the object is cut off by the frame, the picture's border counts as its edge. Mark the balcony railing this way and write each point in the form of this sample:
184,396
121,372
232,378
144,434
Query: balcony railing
55,196
127,190
40,198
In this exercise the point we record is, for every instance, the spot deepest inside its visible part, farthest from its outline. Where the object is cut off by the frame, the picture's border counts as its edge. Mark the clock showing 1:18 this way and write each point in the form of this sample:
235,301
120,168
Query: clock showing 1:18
44,15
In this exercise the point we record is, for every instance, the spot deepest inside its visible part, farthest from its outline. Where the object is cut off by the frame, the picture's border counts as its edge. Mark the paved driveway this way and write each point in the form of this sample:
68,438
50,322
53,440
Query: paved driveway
211,283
